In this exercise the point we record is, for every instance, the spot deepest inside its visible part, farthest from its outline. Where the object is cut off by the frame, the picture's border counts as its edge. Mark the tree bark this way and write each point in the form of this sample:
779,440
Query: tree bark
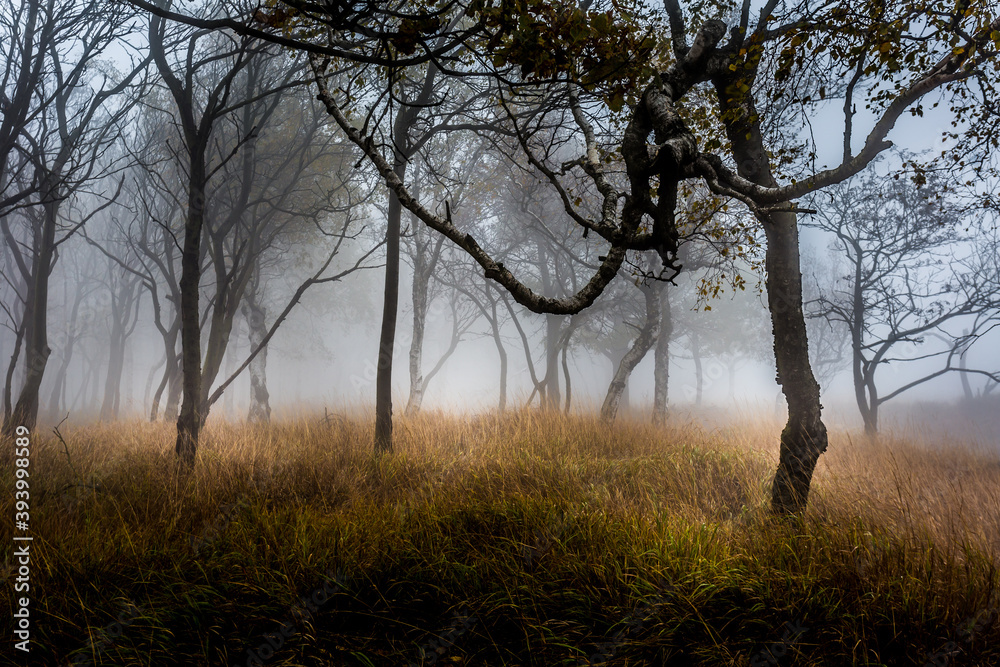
804,438
390,306
189,420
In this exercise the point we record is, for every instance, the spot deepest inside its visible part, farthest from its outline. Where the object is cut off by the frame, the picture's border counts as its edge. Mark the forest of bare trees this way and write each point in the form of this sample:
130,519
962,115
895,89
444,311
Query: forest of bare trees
494,332
175,178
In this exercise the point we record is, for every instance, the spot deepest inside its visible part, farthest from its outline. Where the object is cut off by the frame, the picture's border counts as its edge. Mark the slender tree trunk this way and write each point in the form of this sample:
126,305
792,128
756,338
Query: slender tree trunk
227,301
149,386
966,385
871,409
699,374
419,297
641,346
502,353
171,378
871,426
25,412
11,367
425,258
661,357
565,367
860,364
229,402
120,312
260,405
387,338
189,420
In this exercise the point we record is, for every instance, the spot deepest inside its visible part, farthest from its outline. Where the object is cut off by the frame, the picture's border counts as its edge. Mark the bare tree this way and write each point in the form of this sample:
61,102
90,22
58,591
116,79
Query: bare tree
908,283
901,55
62,112
450,171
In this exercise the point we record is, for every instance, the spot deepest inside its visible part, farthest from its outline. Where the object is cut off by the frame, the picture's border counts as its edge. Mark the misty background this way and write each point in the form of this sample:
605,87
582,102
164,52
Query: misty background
287,193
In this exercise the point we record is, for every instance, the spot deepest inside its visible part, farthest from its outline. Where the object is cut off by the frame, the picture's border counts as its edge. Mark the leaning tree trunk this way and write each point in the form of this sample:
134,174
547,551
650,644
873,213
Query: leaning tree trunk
11,367
640,347
661,357
260,405
231,286
171,372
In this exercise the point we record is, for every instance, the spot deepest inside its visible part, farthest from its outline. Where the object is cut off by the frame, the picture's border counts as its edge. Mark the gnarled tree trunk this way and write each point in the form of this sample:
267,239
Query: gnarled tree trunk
804,437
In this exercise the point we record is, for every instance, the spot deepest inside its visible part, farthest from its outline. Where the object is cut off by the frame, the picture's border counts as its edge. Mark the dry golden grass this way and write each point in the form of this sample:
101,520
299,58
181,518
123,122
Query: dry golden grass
551,529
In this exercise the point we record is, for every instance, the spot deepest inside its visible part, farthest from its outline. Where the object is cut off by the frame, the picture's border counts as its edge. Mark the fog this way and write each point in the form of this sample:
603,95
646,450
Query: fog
323,358
297,238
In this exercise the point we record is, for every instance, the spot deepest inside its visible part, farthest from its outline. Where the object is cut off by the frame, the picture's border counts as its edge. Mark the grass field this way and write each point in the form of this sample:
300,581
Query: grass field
526,539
